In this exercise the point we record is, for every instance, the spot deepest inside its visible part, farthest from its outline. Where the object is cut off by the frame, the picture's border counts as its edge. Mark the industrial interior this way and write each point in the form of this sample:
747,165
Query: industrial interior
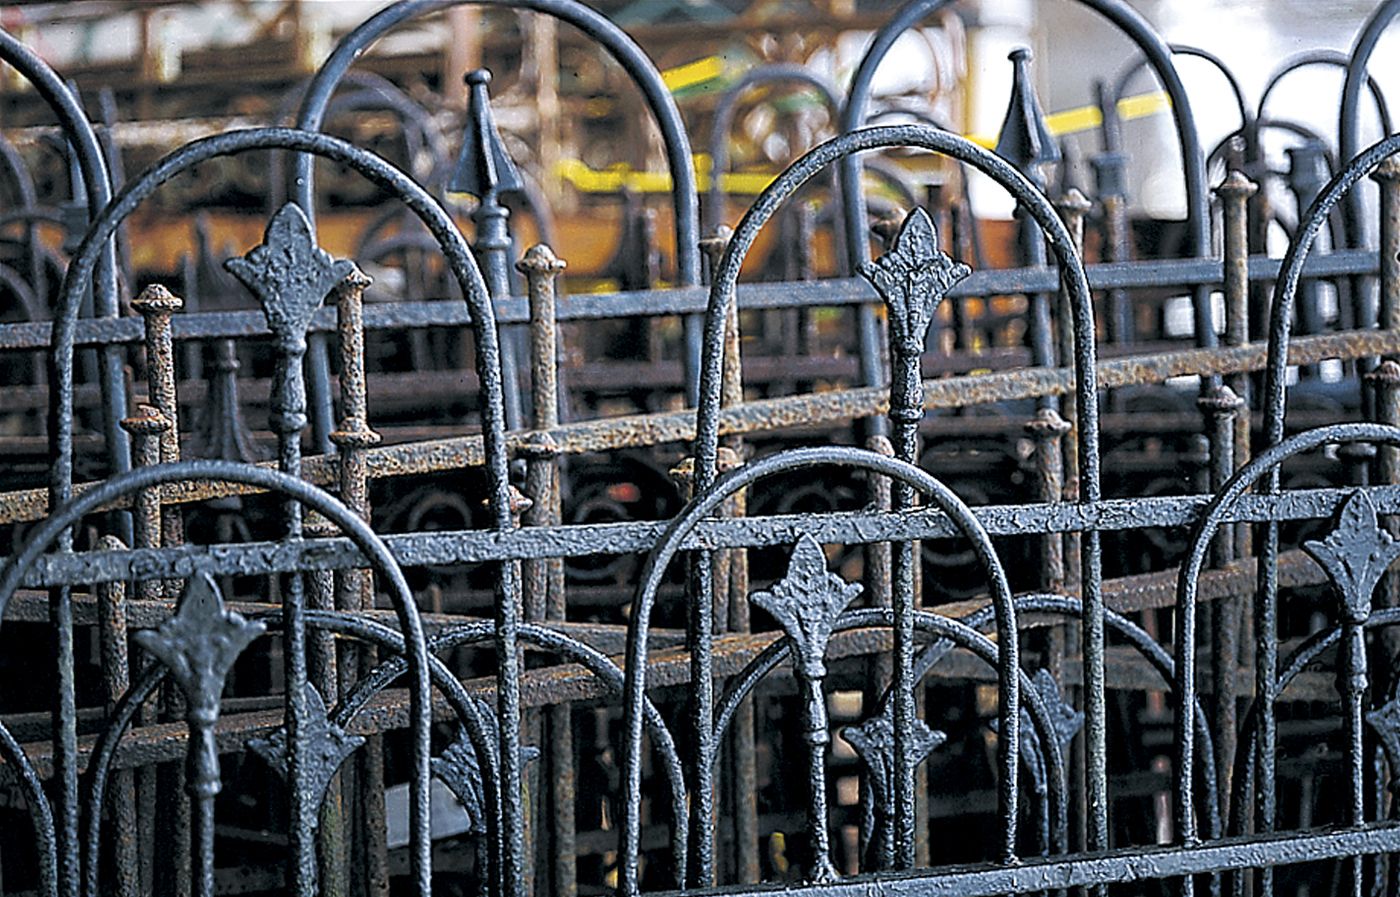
529,448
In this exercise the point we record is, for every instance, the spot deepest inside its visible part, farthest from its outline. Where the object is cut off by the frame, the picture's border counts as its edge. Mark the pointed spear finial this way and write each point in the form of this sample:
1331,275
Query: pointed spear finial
1025,141
483,167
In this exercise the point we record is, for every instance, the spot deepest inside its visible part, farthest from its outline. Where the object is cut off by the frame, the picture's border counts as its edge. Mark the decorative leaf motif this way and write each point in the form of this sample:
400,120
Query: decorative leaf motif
200,643
1065,722
873,742
290,275
459,767
328,746
1385,721
1355,555
806,603
912,278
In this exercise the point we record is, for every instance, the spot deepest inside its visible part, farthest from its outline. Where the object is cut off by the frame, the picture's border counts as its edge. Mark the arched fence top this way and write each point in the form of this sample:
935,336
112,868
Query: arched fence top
705,502
1349,118
844,147
1334,59
378,171
1349,124
53,529
97,182
1122,16
602,30
1125,77
1286,287
728,104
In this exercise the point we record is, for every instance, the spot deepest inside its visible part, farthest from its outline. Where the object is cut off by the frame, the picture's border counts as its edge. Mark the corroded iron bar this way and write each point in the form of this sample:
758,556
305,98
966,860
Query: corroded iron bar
157,307
771,414
543,579
850,528
685,300
116,678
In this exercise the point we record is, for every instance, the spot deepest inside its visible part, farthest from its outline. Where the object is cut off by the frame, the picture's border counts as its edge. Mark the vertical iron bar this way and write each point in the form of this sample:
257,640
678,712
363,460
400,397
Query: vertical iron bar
543,582
354,589
732,581
1386,378
116,678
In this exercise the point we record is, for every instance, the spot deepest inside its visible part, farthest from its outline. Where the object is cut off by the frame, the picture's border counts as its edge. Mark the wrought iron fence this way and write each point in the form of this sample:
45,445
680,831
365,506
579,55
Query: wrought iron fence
600,708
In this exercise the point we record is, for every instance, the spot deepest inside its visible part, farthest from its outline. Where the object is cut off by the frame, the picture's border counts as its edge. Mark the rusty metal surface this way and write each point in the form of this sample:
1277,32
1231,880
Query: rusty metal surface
1064,600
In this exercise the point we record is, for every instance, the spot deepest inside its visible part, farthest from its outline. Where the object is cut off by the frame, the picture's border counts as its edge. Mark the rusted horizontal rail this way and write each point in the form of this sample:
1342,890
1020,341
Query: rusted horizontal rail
636,537
635,431
1175,274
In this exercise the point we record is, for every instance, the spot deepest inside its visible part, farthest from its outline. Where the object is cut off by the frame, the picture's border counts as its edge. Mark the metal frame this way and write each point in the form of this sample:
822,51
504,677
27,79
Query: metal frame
342,658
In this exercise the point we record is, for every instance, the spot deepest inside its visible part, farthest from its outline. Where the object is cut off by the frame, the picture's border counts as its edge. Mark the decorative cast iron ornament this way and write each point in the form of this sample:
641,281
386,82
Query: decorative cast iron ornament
873,742
806,603
199,645
328,746
459,767
1355,555
913,278
290,276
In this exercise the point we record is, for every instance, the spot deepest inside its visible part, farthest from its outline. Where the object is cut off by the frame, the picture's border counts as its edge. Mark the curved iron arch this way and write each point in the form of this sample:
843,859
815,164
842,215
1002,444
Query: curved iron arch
60,522
1335,59
602,30
460,261
705,502
1203,533
92,168
844,147
724,120
1053,808
1127,20
1302,656
1286,286
104,751
1125,77
598,664
1349,124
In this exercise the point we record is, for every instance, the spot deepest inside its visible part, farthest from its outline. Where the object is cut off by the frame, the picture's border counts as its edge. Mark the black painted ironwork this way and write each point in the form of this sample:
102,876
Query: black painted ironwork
648,716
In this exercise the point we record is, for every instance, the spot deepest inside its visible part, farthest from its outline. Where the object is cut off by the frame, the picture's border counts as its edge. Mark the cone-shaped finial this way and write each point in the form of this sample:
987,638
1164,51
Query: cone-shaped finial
1025,141
1307,168
483,167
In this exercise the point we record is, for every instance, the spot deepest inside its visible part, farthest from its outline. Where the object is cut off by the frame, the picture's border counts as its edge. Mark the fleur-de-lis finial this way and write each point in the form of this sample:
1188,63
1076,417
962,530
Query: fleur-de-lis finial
912,278
200,642
806,603
290,276
1355,555
328,747
199,645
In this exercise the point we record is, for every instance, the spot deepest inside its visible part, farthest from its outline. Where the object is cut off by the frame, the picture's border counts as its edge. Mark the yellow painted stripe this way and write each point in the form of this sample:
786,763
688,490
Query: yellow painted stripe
618,177
693,73
1084,118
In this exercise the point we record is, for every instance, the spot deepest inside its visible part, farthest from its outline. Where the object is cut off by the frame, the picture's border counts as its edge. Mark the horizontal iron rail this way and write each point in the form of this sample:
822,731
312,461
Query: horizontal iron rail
1113,867
448,547
635,431
1177,274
